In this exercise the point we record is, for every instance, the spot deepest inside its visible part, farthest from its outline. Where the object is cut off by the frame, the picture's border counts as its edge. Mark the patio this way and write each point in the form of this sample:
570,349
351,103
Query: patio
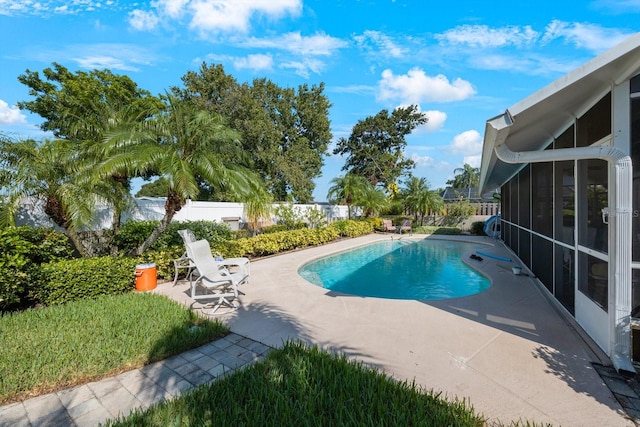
508,350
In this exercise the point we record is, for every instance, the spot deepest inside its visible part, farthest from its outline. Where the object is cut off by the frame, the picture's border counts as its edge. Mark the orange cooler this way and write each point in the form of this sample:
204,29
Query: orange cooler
146,277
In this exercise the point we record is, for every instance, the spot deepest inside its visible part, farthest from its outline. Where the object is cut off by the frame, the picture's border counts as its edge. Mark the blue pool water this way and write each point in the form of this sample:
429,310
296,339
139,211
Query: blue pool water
399,269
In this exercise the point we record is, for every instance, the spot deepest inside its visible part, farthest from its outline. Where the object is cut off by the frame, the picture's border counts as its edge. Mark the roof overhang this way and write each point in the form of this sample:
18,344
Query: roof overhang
534,122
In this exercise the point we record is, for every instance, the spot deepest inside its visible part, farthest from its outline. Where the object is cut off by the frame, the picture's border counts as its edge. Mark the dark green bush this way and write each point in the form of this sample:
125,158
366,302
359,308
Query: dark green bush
477,228
22,251
83,278
133,233
47,244
16,270
163,259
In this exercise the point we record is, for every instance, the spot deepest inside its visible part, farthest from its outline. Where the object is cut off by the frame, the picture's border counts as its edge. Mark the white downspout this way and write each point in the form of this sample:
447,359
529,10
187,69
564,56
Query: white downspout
621,216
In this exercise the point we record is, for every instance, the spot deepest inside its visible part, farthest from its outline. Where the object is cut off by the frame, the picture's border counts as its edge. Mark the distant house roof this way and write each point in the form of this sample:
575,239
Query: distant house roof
451,194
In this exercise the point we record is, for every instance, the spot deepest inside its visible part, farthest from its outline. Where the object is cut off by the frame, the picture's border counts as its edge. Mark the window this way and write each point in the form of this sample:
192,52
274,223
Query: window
565,277
593,279
565,202
593,232
595,124
524,194
542,261
542,198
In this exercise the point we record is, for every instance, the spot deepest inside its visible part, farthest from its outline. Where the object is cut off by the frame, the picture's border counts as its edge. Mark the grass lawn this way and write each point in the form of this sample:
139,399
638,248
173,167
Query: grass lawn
52,348
302,386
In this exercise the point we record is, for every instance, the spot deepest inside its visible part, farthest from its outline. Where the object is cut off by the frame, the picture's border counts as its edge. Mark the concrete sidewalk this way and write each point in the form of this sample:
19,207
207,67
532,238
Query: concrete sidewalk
508,350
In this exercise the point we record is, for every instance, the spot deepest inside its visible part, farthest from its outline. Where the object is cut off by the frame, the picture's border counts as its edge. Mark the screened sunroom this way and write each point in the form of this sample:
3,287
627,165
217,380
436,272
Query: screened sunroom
564,161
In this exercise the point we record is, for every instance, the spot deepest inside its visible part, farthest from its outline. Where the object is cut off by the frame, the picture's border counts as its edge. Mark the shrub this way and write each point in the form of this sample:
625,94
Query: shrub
272,243
163,259
352,228
83,278
133,233
477,228
22,250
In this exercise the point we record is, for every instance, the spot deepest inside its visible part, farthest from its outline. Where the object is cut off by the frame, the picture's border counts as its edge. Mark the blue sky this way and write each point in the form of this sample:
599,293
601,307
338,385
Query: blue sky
461,63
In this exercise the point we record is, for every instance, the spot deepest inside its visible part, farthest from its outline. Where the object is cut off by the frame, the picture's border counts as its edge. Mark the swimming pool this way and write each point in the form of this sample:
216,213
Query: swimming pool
399,269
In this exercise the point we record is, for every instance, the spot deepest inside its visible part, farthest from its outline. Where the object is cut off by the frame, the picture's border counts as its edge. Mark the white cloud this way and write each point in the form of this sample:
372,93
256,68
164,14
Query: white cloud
319,44
11,115
436,120
305,67
473,161
531,64
587,36
423,160
484,36
254,62
172,8
382,43
416,87
232,15
143,21
467,143
60,7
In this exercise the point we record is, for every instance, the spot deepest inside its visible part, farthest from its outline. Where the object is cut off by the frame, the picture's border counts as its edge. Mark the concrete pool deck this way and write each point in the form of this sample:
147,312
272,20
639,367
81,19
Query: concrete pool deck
508,350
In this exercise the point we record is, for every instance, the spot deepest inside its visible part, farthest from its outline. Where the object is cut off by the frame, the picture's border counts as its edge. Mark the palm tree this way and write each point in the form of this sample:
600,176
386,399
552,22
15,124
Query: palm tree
349,190
43,171
183,145
257,206
419,199
466,177
373,200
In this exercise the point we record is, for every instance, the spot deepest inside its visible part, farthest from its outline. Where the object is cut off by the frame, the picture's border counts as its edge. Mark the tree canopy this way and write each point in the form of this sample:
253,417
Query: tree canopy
375,148
466,177
285,131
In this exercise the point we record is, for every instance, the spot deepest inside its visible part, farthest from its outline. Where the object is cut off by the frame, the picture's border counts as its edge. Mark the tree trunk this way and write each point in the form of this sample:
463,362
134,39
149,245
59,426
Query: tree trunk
173,204
77,243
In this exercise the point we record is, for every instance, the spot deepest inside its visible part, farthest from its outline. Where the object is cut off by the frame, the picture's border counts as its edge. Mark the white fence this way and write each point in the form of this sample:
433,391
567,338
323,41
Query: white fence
232,214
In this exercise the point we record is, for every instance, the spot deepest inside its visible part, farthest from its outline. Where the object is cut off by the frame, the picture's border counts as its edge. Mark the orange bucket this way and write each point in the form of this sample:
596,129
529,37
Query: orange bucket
146,277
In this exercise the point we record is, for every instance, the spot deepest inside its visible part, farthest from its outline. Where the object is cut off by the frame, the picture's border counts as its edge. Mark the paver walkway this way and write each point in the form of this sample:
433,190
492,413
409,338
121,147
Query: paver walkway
94,403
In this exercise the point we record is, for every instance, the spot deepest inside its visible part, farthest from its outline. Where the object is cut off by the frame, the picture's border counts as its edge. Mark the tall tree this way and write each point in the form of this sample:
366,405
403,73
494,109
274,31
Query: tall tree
286,131
43,172
82,108
183,145
375,148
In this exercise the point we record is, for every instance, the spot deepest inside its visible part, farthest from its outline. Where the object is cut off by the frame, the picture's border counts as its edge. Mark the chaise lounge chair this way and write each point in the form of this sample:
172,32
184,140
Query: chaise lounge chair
406,226
218,283
387,225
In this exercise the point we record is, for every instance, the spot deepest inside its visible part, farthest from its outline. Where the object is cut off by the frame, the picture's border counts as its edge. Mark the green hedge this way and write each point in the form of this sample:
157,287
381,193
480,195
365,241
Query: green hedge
133,233
273,243
83,278
352,228
22,251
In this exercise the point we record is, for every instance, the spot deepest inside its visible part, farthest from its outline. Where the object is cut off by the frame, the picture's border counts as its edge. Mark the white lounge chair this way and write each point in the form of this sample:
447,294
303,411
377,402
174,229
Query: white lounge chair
183,262
239,263
218,283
